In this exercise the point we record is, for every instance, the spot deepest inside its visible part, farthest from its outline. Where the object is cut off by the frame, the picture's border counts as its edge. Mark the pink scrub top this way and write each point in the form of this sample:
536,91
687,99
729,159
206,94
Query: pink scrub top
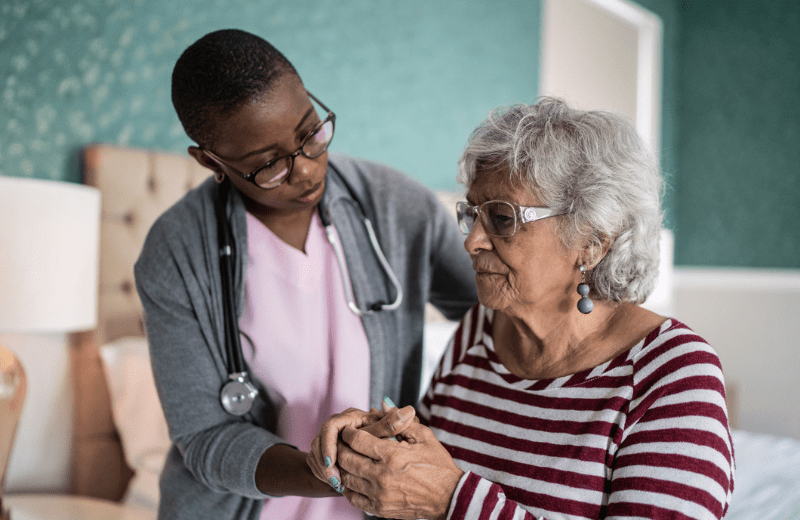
308,349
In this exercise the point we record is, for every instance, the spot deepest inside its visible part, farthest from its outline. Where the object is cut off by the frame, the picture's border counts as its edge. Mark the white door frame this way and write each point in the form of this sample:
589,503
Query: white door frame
648,88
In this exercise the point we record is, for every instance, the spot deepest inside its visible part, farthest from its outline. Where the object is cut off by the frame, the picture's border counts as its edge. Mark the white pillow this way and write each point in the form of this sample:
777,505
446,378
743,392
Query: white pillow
138,416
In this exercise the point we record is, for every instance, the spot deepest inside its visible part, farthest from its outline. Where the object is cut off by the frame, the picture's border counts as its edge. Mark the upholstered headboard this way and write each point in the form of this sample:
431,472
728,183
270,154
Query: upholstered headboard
136,187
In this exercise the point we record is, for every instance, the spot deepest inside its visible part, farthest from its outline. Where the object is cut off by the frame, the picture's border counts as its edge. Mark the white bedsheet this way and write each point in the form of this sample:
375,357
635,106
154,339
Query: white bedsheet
767,479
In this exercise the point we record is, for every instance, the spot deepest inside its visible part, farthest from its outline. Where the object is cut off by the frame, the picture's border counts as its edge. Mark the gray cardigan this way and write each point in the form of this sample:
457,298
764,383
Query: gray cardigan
210,470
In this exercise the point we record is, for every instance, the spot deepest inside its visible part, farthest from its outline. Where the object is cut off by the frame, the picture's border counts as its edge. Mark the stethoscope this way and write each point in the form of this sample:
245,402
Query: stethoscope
238,393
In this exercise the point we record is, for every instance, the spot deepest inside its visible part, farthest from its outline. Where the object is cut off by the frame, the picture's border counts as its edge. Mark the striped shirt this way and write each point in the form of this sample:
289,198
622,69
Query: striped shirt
644,435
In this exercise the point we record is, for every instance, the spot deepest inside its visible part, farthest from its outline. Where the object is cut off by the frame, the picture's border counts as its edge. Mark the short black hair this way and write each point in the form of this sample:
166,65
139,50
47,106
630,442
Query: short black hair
218,73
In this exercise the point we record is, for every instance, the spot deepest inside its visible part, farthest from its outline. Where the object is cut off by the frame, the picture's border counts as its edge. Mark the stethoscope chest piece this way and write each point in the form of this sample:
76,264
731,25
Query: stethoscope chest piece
238,394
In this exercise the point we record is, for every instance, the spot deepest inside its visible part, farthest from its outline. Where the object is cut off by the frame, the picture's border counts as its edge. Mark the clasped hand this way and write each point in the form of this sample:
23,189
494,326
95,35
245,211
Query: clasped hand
385,463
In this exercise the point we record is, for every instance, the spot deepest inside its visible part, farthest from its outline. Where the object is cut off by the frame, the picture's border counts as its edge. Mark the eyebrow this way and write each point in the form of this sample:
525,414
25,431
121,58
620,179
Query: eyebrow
267,148
494,195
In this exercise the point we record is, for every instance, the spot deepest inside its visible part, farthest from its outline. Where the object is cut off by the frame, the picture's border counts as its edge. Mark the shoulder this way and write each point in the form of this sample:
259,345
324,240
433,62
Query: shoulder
674,359
377,183
180,229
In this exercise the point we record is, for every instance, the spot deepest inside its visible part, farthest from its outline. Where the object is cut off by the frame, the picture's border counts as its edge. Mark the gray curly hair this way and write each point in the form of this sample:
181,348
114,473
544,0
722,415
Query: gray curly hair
593,167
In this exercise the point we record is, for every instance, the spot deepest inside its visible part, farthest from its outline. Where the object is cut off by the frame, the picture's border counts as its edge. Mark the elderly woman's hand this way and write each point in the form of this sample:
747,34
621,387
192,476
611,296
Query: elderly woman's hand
413,478
322,456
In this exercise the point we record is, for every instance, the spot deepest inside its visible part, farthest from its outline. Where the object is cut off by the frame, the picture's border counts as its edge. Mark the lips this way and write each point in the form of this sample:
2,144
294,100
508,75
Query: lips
483,268
484,265
311,191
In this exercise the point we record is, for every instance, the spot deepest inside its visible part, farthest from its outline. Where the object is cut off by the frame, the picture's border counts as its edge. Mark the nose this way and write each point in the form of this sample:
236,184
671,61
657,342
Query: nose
309,170
477,239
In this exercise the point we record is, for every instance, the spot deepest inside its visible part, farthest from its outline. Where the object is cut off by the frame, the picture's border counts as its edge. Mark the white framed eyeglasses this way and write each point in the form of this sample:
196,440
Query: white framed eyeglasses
498,217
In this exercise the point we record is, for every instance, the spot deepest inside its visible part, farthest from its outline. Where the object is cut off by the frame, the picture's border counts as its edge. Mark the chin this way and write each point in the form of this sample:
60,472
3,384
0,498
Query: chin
492,297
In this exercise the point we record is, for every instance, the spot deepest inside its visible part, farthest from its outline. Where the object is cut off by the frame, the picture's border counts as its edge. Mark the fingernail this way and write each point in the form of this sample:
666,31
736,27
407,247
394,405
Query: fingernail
389,402
335,483
327,462
339,488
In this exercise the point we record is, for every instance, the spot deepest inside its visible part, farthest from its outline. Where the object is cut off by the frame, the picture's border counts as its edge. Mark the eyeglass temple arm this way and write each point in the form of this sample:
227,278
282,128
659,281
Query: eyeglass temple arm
531,213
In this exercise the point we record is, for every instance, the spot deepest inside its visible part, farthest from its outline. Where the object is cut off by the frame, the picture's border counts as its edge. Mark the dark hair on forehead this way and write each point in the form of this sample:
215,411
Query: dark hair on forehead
218,73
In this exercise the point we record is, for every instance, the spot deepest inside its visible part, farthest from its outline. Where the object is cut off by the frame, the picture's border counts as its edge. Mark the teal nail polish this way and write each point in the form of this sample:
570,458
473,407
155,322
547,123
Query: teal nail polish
327,462
339,489
334,482
389,402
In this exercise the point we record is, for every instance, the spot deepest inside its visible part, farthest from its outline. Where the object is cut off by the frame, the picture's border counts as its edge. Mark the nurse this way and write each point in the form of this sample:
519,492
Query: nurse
319,333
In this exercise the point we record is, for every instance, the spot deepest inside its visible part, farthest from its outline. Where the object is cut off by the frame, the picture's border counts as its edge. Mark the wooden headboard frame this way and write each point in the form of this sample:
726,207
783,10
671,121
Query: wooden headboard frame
136,187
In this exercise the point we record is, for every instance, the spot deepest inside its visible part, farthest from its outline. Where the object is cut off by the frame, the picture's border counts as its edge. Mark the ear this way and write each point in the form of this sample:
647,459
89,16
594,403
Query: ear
203,159
593,252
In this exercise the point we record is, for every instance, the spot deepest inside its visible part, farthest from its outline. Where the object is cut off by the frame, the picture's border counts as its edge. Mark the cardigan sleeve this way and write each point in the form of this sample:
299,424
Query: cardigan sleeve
220,450
453,290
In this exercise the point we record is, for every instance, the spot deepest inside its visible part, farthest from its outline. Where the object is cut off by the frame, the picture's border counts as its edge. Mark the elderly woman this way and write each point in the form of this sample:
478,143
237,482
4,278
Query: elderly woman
558,396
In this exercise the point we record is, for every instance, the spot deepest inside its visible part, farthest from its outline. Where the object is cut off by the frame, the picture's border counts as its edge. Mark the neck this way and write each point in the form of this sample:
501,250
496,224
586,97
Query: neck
290,225
542,345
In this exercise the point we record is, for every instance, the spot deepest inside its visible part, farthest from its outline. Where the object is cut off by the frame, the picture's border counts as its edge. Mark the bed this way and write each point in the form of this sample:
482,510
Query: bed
120,438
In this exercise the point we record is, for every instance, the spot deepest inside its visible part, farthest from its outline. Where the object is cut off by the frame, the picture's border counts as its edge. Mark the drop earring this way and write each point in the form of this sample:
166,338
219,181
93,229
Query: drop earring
219,177
585,304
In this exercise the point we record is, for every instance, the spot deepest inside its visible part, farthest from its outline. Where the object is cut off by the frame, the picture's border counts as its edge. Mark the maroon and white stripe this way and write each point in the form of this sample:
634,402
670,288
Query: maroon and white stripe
644,435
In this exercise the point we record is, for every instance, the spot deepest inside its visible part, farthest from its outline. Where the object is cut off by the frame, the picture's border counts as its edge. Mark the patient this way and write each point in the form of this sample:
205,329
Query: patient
558,396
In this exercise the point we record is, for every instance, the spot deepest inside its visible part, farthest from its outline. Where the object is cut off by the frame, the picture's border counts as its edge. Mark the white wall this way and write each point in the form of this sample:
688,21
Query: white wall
604,54
752,320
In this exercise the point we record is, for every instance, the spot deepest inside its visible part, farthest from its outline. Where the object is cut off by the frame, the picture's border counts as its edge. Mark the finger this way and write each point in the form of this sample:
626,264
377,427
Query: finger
366,444
325,449
318,463
387,404
357,484
313,465
416,433
394,422
373,416
359,501
356,464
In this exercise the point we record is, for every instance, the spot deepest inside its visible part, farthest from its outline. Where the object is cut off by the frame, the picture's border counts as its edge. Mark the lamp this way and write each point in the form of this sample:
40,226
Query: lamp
49,239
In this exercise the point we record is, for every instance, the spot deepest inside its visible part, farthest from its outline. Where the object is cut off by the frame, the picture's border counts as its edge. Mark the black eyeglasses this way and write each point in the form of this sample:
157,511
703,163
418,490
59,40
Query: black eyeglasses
499,218
278,171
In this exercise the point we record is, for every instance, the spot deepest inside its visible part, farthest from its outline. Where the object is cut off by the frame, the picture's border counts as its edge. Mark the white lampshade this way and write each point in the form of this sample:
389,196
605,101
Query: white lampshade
49,239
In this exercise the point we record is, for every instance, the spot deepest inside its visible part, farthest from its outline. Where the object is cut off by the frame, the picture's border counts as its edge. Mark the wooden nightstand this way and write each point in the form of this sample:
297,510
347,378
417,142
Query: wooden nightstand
70,507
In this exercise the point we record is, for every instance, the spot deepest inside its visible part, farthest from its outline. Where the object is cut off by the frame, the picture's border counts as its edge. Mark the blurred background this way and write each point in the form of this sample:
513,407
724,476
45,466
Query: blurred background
713,86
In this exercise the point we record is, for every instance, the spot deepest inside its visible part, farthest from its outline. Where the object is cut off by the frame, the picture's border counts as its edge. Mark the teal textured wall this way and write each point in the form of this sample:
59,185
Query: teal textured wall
738,170
667,11
408,80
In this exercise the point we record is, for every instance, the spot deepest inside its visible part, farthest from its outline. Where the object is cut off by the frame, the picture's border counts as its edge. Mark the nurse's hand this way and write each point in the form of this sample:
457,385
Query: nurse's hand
413,478
322,457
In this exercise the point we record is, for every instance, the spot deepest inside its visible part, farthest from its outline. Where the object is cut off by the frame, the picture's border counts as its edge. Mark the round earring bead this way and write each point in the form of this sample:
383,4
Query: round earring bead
585,305
583,289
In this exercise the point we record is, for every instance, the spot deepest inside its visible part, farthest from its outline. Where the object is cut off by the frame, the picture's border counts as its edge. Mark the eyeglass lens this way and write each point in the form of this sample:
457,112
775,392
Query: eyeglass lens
497,218
314,145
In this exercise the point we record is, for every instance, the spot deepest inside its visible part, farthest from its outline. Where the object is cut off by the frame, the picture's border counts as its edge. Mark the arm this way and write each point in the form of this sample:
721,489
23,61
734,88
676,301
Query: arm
676,453
225,453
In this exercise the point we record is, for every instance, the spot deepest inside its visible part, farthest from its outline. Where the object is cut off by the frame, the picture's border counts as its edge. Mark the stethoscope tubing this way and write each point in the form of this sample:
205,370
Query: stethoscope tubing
238,394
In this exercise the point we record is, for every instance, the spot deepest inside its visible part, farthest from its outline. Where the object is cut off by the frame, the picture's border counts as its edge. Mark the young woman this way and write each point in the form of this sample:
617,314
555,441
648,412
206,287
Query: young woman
320,263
